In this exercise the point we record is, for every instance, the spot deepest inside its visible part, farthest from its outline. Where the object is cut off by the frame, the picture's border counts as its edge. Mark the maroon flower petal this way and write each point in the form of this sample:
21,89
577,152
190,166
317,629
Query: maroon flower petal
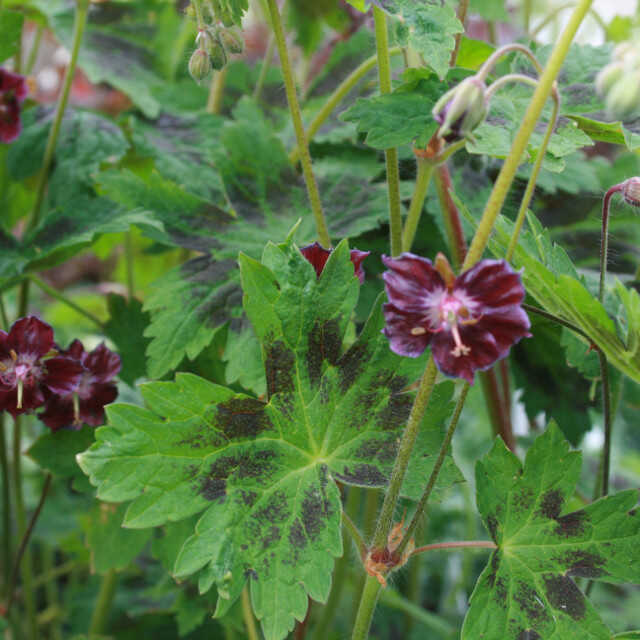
400,329
92,409
492,283
317,255
32,398
13,90
410,281
30,336
357,257
102,363
63,374
75,351
14,83
58,412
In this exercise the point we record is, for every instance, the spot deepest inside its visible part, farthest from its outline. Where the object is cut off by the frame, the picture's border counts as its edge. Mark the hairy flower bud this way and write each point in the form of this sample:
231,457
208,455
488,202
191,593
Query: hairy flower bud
631,191
623,98
199,65
232,40
216,51
461,110
609,76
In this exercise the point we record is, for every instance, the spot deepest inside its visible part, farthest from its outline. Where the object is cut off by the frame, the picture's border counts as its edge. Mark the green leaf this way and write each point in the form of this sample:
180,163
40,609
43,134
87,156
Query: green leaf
11,30
526,590
473,53
111,546
262,474
360,5
56,451
493,10
125,327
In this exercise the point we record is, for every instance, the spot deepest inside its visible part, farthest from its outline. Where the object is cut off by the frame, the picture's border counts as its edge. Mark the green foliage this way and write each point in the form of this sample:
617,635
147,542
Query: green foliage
527,589
263,474
11,30
56,451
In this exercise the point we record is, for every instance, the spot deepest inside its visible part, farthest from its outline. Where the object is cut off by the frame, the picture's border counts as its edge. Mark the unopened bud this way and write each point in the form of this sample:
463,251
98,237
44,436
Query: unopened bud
461,110
190,11
609,76
232,40
199,65
631,191
622,101
217,52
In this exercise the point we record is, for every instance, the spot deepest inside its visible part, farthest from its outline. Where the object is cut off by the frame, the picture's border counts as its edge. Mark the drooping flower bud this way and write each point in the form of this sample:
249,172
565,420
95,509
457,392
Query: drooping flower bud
609,76
623,98
461,110
631,191
232,40
199,65
216,51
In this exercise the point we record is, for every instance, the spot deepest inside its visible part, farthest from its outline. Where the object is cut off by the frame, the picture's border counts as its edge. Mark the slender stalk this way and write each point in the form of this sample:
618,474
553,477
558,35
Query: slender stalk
266,64
339,93
54,293
567,5
604,236
103,604
533,178
367,606
490,62
526,10
451,216
496,408
606,412
431,483
35,47
216,91
54,573
371,503
78,30
130,262
355,534
296,117
463,8
51,590
6,509
453,546
391,155
4,318
423,178
21,520
431,621
504,80
197,5
25,539
510,166
247,614
565,323
385,519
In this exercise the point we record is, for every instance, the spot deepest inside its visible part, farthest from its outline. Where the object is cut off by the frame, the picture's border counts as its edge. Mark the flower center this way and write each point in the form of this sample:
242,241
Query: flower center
456,309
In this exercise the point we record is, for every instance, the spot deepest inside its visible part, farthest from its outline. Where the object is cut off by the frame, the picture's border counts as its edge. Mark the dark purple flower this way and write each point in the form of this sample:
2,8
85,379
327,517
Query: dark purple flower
317,255
470,321
86,401
13,91
25,373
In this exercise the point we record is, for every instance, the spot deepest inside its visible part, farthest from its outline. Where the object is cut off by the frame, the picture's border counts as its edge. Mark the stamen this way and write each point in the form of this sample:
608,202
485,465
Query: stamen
14,355
3,367
76,409
20,389
418,331
460,349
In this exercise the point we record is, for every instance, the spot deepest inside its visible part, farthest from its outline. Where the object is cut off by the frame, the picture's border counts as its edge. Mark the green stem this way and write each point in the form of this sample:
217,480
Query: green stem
454,546
130,262
526,10
339,93
4,318
6,508
197,5
491,61
35,47
533,178
26,573
55,573
606,412
423,178
355,534
266,64
450,216
54,293
296,117
78,29
51,591
510,166
463,9
247,614
103,604
431,483
431,621
26,536
391,155
216,91
504,80
368,602
604,236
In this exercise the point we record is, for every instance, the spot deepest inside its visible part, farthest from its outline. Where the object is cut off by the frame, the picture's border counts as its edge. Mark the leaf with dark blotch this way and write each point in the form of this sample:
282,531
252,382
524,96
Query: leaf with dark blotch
527,589
262,474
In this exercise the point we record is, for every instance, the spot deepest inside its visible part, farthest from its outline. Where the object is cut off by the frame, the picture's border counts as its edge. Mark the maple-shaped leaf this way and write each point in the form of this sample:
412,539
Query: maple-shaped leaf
527,591
263,473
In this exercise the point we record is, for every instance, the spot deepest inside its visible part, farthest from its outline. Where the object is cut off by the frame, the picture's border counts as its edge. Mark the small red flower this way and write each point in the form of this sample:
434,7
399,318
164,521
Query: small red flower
13,91
25,371
470,321
86,401
317,255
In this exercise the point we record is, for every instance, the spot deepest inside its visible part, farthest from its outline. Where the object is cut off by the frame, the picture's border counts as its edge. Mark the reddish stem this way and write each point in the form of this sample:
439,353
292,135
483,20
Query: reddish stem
604,237
451,215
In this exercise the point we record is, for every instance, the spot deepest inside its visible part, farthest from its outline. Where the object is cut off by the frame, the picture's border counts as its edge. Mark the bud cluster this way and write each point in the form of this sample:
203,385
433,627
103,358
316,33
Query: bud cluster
215,43
619,83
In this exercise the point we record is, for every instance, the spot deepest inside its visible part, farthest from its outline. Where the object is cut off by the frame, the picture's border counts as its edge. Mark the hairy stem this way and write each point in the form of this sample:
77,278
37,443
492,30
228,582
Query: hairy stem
423,178
510,166
338,95
451,216
247,615
216,91
266,64
463,9
355,534
452,546
6,509
54,293
367,606
103,604
491,61
296,116
496,407
604,236
431,483
391,155
606,412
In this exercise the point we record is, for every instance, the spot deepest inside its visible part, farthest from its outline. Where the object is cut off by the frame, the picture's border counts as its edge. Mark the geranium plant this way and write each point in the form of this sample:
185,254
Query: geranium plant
319,320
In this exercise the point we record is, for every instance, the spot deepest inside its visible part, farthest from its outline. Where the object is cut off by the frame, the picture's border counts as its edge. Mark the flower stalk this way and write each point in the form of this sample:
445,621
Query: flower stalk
423,178
103,604
604,236
296,117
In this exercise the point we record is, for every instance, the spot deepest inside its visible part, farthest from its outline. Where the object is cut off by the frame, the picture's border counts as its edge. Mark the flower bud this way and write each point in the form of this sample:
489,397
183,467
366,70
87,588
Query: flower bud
190,11
216,51
199,65
608,76
461,110
232,40
631,191
622,100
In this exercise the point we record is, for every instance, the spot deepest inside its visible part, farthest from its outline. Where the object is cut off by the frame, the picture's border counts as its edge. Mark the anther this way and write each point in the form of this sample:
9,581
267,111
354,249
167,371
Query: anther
418,331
